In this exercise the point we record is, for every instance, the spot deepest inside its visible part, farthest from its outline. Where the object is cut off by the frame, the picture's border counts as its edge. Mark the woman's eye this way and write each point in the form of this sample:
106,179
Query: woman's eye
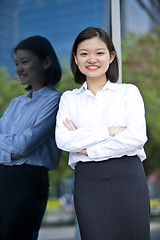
100,53
25,62
83,54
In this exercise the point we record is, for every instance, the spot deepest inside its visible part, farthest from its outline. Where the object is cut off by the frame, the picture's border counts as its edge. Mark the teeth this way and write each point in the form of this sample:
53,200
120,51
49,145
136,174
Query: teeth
93,67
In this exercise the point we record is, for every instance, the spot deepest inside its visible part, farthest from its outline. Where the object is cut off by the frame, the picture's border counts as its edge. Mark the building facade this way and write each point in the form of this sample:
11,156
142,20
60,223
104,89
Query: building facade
9,35
60,21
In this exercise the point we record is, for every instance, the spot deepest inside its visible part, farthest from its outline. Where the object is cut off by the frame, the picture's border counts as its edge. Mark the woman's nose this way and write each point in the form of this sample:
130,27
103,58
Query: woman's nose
19,68
92,59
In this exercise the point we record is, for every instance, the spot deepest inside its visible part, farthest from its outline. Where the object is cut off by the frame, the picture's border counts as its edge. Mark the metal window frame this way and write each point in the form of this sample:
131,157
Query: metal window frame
116,32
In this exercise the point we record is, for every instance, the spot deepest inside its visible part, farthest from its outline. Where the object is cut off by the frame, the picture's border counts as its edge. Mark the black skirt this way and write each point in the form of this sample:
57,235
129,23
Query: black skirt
112,200
23,198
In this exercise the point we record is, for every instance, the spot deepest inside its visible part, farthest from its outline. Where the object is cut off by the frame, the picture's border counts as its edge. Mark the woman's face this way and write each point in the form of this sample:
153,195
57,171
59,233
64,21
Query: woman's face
93,58
30,69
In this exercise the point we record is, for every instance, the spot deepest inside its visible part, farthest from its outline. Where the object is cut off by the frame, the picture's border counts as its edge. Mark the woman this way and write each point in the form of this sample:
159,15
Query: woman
102,125
27,141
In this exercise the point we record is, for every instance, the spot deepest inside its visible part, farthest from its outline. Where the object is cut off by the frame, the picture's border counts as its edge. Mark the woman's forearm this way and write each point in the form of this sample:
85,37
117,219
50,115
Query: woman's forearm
115,130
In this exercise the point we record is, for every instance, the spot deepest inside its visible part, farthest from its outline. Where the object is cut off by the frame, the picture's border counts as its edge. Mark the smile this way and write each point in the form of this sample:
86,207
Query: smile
93,67
22,76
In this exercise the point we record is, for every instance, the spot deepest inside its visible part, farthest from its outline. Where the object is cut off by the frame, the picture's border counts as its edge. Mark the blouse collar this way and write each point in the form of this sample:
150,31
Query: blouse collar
108,86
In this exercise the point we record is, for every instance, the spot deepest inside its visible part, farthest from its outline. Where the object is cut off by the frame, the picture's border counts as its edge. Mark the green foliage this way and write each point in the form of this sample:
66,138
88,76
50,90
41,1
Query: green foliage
8,90
67,80
140,61
63,171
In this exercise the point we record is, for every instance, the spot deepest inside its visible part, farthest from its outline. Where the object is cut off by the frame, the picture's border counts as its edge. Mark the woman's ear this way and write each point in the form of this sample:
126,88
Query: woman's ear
47,62
112,56
75,58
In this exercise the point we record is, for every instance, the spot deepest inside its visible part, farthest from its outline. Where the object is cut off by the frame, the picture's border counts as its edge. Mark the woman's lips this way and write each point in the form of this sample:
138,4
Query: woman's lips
93,67
21,76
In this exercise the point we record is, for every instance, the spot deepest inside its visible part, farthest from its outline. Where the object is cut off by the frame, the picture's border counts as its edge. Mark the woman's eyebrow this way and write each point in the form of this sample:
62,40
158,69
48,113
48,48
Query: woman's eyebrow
83,49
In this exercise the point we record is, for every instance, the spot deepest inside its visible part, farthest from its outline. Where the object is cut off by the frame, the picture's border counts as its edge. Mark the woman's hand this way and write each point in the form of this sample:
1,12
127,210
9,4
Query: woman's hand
15,157
83,152
115,130
69,124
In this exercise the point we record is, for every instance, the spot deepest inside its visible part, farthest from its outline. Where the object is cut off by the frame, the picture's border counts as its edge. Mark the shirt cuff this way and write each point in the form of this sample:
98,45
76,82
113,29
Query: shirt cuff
5,157
90,152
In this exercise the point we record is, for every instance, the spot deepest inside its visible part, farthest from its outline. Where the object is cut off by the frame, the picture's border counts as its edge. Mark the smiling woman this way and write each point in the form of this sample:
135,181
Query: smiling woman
30,69
102,124
93,58
27,141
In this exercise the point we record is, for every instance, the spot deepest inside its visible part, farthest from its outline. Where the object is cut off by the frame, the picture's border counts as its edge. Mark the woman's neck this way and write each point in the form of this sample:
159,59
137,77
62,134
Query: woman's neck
96,84
37,87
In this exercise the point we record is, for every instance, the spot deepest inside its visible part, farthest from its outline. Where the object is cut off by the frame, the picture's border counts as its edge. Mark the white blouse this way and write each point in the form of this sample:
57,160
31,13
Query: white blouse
116,105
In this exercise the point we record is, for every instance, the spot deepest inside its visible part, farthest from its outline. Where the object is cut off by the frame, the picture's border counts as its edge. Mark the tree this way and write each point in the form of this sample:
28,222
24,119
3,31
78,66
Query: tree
140,61
67,81
8,90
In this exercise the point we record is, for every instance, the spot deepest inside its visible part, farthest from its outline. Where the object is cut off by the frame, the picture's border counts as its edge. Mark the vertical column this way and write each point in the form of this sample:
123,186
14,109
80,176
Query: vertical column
116,32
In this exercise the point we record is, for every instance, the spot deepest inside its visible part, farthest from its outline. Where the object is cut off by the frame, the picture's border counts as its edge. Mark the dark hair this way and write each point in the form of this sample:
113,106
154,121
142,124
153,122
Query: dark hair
113,72
41,47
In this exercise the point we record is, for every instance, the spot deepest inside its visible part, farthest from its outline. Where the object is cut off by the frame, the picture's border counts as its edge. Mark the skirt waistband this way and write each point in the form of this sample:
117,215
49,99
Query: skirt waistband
114,167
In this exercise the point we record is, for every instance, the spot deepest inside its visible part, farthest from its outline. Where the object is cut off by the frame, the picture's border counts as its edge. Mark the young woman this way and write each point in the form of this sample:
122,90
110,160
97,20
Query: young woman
27,141
102,125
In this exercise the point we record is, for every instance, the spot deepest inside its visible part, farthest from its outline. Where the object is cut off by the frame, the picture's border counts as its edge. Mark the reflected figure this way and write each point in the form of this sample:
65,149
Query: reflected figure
27,141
